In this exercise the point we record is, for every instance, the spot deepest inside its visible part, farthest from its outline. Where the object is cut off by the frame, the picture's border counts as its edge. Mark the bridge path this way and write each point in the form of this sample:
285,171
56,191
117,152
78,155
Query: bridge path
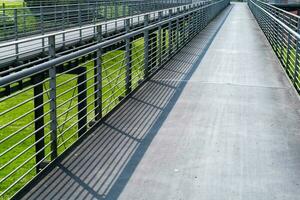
32,46
222,127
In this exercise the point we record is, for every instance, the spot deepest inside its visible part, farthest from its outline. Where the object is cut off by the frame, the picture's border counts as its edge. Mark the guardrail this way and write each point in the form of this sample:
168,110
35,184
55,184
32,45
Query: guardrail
24,53
68,95
283,37
290,19
19,22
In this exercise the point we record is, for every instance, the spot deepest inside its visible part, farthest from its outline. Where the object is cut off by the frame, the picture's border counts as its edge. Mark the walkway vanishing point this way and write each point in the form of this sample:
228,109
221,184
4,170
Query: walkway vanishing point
219,121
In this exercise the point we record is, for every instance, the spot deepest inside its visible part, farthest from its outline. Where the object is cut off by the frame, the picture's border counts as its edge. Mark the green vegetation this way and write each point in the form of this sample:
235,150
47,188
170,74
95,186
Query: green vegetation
29,20
288,60
11,3
26,22
113,73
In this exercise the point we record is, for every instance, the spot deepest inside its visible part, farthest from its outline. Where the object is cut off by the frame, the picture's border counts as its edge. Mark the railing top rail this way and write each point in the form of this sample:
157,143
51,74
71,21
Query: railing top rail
279,9
16,42
56,103
278,21
79,4
47,65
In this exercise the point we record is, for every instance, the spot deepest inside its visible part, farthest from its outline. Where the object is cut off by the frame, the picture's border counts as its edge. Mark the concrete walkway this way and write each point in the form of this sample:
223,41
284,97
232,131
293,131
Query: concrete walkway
225,128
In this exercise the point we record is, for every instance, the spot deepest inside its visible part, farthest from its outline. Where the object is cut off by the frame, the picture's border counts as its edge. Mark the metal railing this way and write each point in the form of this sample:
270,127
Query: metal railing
283,37
24,53
290,19
66,96
19,22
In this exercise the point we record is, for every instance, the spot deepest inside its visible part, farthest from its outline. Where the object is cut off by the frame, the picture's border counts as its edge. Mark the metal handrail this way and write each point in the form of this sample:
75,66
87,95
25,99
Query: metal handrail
288,18
48,64
86,26
284,25
283,37
84,12
12,52
67,95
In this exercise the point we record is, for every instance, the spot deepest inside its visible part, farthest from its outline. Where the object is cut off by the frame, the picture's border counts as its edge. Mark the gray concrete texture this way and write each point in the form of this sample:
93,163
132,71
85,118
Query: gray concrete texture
225,128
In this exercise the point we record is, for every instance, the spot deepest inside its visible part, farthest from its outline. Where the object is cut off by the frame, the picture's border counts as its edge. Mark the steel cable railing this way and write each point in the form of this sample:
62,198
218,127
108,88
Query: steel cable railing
40,19
290,19
24,53
283,37
69,94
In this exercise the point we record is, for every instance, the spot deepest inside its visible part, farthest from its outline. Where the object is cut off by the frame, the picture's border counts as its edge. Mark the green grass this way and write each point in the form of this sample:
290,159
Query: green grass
12,3
113,68
28,21
113,87
288,60
25,20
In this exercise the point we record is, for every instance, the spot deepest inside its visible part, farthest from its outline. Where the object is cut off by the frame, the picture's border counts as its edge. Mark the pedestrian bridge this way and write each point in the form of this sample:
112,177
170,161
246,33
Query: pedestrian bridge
219,120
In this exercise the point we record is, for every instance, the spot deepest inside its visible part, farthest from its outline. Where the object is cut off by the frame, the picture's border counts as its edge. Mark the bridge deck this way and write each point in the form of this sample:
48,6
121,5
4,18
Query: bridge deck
33,46
223,128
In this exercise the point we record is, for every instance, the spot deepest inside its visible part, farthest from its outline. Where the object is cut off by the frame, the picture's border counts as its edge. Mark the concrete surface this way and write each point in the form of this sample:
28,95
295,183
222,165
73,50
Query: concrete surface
32,46
223,128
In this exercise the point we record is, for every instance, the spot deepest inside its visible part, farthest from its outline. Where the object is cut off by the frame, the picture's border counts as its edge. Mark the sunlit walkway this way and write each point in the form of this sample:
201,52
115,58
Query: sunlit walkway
225,126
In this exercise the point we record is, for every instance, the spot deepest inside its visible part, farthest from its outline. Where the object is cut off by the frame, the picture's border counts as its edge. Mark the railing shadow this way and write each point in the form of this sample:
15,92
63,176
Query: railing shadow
100,167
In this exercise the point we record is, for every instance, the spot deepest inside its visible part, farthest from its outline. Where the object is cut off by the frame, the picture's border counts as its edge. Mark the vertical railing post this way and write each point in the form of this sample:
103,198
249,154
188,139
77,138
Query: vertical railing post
116,12
80,22
98,77
42,27
63,25
296,70
202,17
281,45
170,33
184,25
55,15
39,120
82,100
160,16
146,47
42,20
53,111
115,17
97,12
105,11
276,36
93,14
123,8
192,20
105,16
128,54
16,23
24,21
189,24
288,52
199,15
68,14
177,31
4,20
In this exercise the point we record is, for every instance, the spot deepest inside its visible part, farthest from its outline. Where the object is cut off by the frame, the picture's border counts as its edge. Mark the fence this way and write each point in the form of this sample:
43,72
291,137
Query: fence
283,36
25,53
290,19
20,22
69,94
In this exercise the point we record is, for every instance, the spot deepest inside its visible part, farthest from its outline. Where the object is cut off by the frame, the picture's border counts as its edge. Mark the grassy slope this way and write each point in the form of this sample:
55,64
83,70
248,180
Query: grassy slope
113,87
